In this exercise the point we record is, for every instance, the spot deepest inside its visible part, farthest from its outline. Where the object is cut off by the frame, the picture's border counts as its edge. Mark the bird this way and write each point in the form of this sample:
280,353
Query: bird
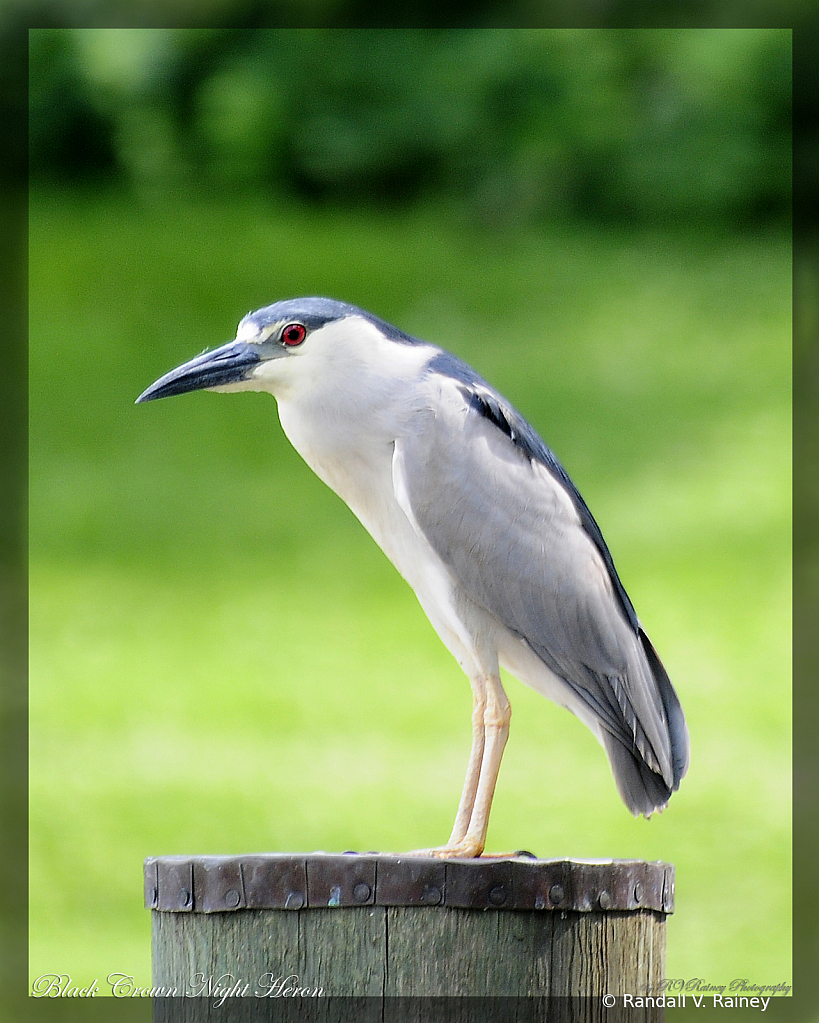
481,520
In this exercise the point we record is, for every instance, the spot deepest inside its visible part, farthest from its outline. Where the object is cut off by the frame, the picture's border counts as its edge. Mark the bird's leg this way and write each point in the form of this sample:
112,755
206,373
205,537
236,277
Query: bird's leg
473,769
496,718
490,722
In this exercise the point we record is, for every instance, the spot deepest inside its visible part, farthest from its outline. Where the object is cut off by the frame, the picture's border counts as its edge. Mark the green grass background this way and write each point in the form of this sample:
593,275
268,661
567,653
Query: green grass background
223,662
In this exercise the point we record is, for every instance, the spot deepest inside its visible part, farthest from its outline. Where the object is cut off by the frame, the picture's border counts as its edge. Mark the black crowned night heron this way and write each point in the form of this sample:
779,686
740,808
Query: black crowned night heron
480,518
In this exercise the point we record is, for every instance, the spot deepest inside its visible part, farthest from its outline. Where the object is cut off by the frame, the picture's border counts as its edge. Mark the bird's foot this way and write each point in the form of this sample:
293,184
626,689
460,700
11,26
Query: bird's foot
471,850
467,848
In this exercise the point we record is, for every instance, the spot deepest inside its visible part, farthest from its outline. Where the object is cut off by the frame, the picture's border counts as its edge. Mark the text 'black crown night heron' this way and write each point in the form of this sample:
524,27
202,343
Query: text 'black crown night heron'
480,518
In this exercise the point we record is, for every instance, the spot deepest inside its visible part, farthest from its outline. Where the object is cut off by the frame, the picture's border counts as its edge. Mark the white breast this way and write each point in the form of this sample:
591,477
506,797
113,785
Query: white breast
357,464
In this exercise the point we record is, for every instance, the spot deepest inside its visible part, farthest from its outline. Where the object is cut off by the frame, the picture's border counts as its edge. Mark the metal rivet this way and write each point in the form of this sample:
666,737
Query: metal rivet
556,894
295,900
497,895
362,892
184,897
638,893
604,900
232,898
432,896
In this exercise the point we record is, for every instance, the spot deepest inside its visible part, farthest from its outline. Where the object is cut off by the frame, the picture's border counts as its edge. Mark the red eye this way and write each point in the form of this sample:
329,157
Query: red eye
293,334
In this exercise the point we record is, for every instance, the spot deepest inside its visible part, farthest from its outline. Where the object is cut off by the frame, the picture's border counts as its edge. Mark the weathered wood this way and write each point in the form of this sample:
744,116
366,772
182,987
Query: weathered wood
389,927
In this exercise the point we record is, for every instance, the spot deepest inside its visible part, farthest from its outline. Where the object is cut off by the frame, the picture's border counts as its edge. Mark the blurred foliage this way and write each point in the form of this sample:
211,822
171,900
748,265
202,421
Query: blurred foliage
506,126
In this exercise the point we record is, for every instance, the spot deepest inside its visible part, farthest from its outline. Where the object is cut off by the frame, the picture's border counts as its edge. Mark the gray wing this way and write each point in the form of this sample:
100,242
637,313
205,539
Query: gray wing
500,511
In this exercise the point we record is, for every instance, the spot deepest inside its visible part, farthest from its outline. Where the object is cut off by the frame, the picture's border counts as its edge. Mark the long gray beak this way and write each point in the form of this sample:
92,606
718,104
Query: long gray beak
229,364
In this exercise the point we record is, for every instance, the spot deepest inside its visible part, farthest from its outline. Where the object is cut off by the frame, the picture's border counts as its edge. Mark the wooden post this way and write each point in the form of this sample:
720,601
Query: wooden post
378,926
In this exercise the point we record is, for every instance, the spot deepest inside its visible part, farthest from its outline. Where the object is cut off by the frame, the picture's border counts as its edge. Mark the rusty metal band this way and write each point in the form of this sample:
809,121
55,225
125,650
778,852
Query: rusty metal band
219,884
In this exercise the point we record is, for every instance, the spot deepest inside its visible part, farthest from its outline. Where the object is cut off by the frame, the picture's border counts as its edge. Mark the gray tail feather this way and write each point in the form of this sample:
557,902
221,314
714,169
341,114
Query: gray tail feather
641,789
677,729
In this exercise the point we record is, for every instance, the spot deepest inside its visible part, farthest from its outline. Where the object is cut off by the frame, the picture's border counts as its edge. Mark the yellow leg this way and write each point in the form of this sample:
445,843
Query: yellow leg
473,770
490,730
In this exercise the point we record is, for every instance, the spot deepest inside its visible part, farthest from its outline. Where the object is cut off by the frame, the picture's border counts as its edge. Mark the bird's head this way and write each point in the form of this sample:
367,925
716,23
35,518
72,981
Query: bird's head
294,346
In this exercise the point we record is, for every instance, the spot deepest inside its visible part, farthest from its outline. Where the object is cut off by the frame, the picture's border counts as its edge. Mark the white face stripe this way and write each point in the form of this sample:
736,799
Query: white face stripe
251,333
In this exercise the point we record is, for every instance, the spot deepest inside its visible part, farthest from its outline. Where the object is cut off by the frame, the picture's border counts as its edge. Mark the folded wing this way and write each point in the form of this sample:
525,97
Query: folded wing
519,541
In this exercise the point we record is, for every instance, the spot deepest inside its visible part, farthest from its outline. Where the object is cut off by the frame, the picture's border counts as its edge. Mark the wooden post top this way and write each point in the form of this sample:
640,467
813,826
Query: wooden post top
294,881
